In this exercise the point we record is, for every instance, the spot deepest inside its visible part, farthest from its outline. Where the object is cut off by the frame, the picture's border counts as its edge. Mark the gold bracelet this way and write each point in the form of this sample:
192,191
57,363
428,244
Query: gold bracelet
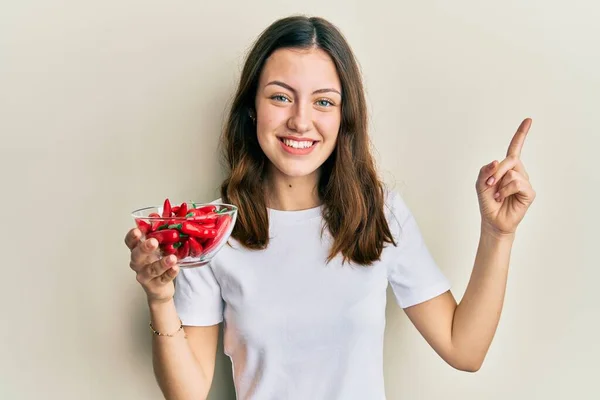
166,334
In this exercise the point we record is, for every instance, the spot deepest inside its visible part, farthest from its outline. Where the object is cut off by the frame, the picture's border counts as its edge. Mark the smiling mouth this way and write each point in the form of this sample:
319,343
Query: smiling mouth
295,144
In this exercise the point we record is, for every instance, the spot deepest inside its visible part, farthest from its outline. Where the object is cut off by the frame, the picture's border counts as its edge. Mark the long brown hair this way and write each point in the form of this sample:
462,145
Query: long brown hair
349,187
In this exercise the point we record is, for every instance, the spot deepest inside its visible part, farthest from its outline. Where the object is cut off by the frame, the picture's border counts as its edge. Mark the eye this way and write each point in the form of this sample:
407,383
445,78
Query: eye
324,103
279,97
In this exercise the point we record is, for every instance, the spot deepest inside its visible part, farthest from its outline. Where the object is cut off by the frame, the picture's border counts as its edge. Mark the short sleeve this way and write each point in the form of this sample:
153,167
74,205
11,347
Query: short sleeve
198,296
412,272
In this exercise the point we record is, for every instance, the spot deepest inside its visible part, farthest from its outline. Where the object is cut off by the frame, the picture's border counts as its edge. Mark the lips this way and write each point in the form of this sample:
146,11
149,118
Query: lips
298,151
297,139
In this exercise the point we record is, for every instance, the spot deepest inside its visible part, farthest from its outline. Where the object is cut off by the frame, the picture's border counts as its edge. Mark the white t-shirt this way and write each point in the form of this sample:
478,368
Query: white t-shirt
296,328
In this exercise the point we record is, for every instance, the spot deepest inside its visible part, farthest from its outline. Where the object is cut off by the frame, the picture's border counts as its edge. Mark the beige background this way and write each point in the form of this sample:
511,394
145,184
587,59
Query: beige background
111,105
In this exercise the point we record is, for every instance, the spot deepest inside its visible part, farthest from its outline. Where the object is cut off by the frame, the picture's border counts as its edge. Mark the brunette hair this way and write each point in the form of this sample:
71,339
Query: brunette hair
349,187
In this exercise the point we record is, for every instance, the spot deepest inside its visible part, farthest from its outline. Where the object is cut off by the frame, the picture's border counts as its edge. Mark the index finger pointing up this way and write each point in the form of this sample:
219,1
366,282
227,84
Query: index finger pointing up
517,141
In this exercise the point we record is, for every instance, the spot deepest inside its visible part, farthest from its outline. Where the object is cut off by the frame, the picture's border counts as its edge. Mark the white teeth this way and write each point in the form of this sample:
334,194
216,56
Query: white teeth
297,145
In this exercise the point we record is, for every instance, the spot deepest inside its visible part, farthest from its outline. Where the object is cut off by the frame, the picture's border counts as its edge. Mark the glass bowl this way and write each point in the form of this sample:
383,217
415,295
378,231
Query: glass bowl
193,232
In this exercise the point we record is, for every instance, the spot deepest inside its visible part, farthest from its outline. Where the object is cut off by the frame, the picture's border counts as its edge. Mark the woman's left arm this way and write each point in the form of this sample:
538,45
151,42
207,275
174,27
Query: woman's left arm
461,334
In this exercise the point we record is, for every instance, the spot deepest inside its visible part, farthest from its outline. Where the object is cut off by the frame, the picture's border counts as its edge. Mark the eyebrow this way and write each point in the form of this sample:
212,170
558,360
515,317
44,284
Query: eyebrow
288,87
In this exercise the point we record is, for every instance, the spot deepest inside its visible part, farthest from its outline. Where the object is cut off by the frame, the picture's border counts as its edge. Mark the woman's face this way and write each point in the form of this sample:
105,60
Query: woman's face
298,110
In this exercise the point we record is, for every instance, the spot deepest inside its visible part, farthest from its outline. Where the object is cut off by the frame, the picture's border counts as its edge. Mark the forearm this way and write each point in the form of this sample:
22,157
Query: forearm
177,371
478,313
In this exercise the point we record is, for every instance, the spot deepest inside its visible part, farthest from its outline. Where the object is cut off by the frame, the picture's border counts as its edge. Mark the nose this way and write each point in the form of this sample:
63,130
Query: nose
300,120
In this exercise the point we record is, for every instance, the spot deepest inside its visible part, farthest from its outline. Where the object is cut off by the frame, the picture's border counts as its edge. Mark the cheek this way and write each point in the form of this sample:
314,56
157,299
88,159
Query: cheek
329,128
270,116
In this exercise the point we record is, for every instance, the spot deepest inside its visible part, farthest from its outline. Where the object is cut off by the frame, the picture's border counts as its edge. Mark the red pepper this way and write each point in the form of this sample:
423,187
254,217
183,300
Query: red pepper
209,226
154,224
195,247
182,210
175,209
165,224
168,249
143,226
207,209
205,218
222,226
166,236
194,212
198,231
184,250
166,209
223,220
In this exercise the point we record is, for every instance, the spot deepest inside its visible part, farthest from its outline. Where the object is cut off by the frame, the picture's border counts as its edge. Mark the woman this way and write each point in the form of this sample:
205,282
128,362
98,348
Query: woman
302,288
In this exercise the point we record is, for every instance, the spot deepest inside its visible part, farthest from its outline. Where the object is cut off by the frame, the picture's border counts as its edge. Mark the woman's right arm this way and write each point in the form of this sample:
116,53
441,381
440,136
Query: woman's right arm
183,367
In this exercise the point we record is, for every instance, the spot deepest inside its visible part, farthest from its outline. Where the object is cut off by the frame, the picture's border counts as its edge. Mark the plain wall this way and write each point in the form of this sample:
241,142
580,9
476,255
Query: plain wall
106,106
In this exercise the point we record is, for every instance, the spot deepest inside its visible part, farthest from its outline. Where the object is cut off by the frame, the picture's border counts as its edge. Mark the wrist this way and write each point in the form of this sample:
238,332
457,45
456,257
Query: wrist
495,236
492,233
157,305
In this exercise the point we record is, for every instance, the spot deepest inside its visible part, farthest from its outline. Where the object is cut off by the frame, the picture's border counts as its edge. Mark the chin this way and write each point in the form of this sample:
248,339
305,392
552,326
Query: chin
296,171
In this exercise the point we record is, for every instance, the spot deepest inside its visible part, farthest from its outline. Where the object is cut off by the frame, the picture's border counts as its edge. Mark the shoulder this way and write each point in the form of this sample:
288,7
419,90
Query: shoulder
395,208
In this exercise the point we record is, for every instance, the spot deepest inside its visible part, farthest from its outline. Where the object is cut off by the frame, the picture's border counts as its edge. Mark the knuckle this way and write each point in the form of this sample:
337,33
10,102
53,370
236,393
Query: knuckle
135,254
518,185
152,269
139,277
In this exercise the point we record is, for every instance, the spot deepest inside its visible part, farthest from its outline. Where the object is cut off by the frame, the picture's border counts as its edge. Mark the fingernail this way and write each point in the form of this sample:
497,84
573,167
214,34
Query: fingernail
496,195
150,243
171,259
490,181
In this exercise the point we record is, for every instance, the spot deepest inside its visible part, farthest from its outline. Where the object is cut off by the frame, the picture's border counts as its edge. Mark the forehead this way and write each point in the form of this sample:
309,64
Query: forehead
310,68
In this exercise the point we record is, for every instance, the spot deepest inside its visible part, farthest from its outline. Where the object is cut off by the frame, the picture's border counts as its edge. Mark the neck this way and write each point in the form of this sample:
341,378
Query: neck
288,193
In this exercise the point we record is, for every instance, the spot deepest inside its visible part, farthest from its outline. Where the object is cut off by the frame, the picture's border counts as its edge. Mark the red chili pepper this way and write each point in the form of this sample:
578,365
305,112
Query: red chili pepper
223,220
222,226
198,231
175,209
207,209
143,226
194,212
205,218
195,247
166,236
182,210
184,250
166,209
154,224
165,224
209,226
168,249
